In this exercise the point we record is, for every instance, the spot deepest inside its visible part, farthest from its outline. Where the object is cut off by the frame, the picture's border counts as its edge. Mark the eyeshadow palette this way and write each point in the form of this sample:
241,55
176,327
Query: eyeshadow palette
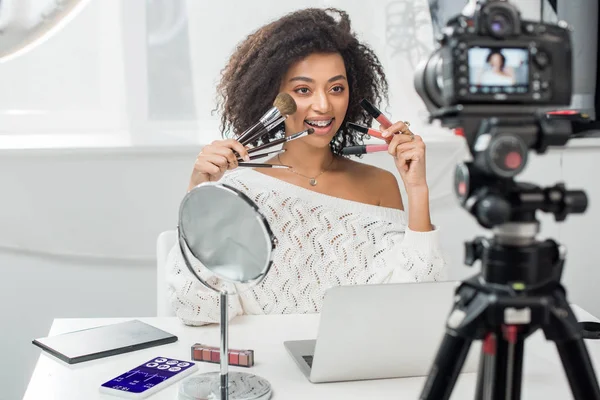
212,354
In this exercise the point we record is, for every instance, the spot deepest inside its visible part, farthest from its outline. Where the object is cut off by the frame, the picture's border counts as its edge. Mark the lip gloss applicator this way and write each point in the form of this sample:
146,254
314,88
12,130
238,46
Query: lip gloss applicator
373,132
368,131
364,149
378,115
375,113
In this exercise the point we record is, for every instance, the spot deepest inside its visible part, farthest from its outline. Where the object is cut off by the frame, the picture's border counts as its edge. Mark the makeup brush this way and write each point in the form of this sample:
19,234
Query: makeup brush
276,142
283,106
262,165
261,155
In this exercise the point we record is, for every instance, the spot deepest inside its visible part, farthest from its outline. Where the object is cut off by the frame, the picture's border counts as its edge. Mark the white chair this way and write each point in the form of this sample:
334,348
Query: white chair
165,242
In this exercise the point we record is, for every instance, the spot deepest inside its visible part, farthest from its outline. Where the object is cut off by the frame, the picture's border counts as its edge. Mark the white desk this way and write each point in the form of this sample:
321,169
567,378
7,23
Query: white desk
53,379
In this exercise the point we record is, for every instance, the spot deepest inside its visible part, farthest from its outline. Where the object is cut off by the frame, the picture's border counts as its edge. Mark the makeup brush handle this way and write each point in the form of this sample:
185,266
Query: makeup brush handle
260,131
261,165
275,142
282,140
249,132
262,155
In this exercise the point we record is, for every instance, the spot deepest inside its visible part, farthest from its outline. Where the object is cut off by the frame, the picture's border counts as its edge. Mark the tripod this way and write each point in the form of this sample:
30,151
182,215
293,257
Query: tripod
517,292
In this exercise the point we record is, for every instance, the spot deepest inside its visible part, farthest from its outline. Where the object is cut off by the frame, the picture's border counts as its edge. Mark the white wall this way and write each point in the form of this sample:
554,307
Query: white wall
107,205
78,226
72,83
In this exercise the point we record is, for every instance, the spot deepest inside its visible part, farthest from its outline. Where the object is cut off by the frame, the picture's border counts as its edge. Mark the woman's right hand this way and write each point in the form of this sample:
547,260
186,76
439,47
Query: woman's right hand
215,159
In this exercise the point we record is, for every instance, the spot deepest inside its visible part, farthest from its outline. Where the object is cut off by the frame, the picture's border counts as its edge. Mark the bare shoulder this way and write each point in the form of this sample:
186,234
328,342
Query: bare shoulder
364,170
378,181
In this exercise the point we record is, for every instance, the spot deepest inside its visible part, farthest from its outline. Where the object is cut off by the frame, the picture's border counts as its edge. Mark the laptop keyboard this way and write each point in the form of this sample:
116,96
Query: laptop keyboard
309,360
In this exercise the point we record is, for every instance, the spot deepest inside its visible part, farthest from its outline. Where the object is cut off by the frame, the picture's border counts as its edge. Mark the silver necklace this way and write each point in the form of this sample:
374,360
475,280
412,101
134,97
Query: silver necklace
312,180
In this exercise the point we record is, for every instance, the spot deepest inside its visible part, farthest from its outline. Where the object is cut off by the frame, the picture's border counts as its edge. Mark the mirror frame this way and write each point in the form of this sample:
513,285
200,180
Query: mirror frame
271,239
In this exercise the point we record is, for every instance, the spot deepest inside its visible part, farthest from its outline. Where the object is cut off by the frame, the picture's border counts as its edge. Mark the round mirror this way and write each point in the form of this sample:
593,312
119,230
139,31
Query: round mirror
225,232
223,229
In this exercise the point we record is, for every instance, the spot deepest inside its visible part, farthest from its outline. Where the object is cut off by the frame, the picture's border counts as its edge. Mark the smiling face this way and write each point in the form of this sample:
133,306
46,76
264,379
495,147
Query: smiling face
319,85
496,61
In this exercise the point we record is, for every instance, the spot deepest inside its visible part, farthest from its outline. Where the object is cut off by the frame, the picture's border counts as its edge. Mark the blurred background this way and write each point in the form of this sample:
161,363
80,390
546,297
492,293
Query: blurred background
101,123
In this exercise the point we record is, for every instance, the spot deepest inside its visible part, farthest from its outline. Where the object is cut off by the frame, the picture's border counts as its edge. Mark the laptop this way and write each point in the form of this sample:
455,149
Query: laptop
378,331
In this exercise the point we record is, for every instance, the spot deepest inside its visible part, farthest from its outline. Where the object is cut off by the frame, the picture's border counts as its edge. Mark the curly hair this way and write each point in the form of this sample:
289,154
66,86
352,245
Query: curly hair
251,79
492,52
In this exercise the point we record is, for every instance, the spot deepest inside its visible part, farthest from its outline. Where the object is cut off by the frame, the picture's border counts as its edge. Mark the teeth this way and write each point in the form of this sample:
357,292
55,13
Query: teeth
319,123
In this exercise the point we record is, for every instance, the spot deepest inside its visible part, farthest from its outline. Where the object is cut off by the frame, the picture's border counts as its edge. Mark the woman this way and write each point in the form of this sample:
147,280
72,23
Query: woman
496,73
349,227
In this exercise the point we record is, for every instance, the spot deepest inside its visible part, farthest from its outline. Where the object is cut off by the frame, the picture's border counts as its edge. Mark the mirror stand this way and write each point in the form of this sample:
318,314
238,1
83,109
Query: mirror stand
225,232
225,385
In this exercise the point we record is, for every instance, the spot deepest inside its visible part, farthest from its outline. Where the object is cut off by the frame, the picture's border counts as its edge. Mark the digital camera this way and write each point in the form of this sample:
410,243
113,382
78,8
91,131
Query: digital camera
496,58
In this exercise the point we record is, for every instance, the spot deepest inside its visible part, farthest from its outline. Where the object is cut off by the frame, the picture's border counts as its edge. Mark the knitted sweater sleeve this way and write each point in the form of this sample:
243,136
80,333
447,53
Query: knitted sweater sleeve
417,258
192,302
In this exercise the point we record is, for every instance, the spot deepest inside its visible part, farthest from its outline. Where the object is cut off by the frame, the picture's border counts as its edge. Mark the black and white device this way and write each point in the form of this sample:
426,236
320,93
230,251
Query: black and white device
148,378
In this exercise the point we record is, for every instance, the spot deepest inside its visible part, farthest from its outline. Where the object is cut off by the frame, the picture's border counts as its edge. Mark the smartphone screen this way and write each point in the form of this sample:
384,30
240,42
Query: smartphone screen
148,375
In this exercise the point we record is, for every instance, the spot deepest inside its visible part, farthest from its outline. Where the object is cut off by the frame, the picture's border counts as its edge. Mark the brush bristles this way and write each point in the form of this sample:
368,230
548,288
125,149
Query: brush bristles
310,131
285,104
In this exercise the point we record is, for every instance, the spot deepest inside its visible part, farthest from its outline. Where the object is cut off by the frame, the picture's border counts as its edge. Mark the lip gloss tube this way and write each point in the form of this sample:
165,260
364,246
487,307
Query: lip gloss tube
364,149
375,113
212,354
368,131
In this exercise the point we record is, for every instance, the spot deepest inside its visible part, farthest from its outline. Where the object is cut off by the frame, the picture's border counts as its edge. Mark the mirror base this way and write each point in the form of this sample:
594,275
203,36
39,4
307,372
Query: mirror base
242,386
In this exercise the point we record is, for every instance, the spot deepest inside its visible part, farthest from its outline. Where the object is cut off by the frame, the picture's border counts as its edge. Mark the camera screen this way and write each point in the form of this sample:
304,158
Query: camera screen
498,70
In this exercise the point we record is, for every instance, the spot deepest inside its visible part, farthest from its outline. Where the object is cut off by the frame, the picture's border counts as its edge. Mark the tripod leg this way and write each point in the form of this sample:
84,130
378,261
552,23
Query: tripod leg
446,367
514,368
564,330
501,366
578,367
486,372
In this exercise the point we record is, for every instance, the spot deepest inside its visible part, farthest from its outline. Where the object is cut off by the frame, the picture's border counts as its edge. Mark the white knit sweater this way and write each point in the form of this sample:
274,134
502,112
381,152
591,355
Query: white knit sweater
322,241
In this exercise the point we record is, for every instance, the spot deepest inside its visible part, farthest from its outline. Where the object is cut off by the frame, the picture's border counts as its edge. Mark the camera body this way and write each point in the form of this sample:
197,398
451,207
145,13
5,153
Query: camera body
492,76
496,58
538,78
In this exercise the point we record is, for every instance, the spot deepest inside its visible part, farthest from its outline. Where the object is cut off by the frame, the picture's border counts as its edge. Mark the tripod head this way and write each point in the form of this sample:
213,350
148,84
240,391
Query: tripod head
486,187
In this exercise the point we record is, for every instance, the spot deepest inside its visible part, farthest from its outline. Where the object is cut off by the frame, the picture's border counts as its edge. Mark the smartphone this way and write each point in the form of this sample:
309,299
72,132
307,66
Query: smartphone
148,378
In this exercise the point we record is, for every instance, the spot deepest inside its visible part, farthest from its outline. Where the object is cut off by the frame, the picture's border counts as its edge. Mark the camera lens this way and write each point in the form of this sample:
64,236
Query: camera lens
500,19
500,25
429,80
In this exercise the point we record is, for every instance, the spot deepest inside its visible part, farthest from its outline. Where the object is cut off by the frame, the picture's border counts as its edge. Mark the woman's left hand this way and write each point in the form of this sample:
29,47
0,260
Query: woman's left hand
408,150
